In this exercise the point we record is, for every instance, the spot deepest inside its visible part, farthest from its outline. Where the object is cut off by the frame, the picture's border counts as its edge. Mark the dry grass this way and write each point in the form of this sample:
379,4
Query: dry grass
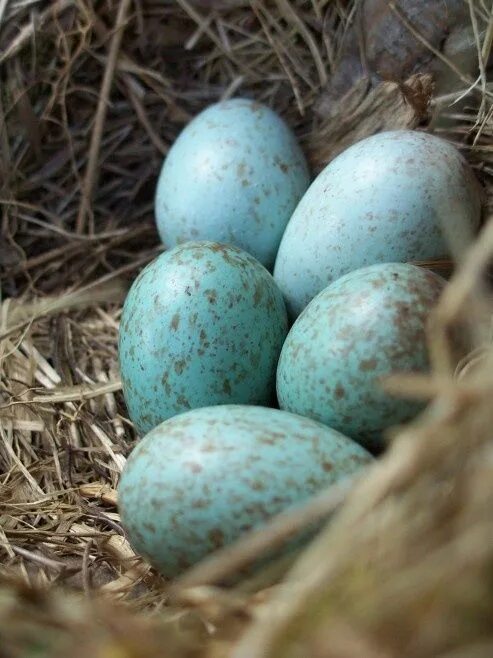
92,94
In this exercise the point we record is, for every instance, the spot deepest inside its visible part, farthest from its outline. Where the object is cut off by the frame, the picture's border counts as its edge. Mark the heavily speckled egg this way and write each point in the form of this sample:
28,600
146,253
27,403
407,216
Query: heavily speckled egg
234,175
203,324
397,196
201,479
365,326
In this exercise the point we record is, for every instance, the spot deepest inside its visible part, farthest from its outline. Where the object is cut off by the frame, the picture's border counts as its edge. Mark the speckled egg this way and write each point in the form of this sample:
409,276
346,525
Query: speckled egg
398,196
365,326
234,175
201,479
203,324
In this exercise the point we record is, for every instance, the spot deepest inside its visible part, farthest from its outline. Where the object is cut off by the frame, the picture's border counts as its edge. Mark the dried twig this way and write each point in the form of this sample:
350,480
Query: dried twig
97,133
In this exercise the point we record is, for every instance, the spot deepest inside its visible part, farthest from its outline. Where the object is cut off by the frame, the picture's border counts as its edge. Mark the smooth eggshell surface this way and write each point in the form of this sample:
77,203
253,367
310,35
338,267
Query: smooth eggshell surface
395,197
200,480
367,325
234,175
203,324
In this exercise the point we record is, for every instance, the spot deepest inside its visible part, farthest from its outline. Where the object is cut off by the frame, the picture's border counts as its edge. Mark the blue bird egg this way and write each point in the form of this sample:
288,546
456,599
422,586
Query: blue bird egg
203,324
395,197
234,175
365,326
200,480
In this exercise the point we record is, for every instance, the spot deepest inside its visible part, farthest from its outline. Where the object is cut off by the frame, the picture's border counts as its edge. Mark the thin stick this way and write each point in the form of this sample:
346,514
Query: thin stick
91,175
26,32
481,63
78,392
142,116
39,559
3,7
488,39
15,459
204,24
308,38
282,60
86,575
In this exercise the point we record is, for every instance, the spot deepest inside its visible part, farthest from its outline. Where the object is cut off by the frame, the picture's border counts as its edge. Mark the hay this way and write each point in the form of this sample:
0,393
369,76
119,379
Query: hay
92,95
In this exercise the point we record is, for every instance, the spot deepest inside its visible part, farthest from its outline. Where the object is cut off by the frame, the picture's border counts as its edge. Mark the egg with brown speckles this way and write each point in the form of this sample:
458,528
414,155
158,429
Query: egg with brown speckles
203,324
200,480
234,175
365,326
399,196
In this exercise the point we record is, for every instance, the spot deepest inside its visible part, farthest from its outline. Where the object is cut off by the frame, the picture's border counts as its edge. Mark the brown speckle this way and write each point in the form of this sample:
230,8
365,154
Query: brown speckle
175,321
216,537
183,402
257,295
194,467
180,366
339,392
157,504
211,295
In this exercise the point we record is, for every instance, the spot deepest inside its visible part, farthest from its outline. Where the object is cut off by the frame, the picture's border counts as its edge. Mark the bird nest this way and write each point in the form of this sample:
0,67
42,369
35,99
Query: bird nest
92,96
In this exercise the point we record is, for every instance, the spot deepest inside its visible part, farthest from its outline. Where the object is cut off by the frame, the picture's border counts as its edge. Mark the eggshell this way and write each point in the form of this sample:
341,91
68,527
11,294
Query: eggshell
200,480
234,175
203,324
365,326
397,196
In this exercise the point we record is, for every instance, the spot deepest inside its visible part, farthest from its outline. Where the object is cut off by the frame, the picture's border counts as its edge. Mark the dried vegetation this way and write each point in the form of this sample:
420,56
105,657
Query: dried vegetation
92,94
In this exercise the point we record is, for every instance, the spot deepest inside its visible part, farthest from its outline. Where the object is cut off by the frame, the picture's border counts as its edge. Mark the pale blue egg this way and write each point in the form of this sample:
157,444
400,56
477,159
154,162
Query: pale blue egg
202,324
234,175
365,326
397,196
200,480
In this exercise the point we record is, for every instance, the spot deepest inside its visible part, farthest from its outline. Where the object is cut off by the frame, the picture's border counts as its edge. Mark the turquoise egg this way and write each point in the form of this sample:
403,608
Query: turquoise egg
234,175
365,326
203,324
200,480
395,197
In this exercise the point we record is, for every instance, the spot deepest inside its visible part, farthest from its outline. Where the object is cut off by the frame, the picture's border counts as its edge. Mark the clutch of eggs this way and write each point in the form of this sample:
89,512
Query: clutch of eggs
204,324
